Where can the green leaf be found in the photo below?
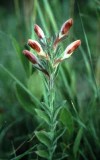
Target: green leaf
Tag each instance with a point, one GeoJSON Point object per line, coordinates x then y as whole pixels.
{"type": "Point", "coordinates": [43, 115]}
{"type": "Point", "coordinates": [67, 120]}
{"type": "Point", "coordinates": [77, 141]}
{"type": "Point", "coordinates": [43, 138]}
{"type": "Point", "coordinates": [58, 108]}
{"type": "Point", "coordinates": [42, 153]}
{"type": "Point", "coordinates": [35, 84]}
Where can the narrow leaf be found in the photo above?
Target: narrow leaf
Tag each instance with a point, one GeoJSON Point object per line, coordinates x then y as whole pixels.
{"type": "Point", "coordinates": [43, 138]}
{"type": "Point", "coordinates": [58, 109]}
{"type": "Point", "coordinates": [67, 120]}
{"type": "Point", "coordinates": [77, 141]}
{"type": "Point", "coordinates": [42, 153]}
{"type": "Point", "coordinates": [43, 115]}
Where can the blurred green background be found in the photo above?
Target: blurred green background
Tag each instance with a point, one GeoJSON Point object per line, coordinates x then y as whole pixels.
{"type": "Point", "coordinates": [78, 81]}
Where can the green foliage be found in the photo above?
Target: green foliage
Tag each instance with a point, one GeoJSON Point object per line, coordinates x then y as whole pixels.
{"type": "Point", "coordinates": [24, 99]}
{"type": "Point", "coordinates": [43, 137]}
{"type": "Point", "coordinates": [77, 141]}
{"type": "Point", "coordinates": [43, 115]}
{"type": "Point", "coordinates": [24, 114]}
{"type": "Point", "coordinates": [67, 120]}
{"type": "Point", "coordinates": [42, 153]}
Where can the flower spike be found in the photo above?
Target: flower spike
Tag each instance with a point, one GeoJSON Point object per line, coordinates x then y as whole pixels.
{"type": "Point", "coordinates": [71, 48]}
{"type": "Point", "coordinates": [30, 56]}
{"type": "Point", "coordinates": [37, 47]}
{"type": "Point", "coordinates": [39, 31]}
{"type": "Point", "coordinates": [49, 57]}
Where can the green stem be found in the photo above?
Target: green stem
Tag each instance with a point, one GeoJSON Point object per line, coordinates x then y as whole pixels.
{"type": "Point", "coordinates": [51, 105]}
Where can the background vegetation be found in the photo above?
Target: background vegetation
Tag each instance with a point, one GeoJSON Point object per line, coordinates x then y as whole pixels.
{"type": "Point", "coordinates": [78, 82]}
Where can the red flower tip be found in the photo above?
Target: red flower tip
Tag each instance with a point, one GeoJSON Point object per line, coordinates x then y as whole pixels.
{"type": "Point", "coordinates": [39, 31]}
{"type": "Point", "coordinates": [73, 46]}
{"type": "Point", "coordinates": [66, 26]}
{"type": "Point", "coordinates": [35, 45]}
{"type": "Point", "coordinates": [63, 31]}
{"type": "Point", "coordinates": [30, 56]}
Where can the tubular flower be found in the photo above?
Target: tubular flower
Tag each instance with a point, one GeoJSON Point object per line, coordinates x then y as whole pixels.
{"type": "Point", "coordinates": [65, 28]}
{"type": "Point", "coordinates": [37, 47]}
{"type": "Point", "coordinates": [71, 48]}
{"type": "Point", "coordinates": [63, 31]}
{"type": "Point", "coordinates": [39, 31]}
{"type": "Point", "coordinates": [68, 51]}
{"type": "Point", "coordinates": [30, 56]}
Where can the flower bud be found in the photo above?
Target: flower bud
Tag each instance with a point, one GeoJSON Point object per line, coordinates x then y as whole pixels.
{"type": "Point", "coordinates": [34, 45]}
{"type": "Point", "coordinates": [71, 48]}
{"type": "Point", "coordinates": [37, 47]}
{"type": "Point", "coordinates": [30, 56]}
{"type": "Point", "coordinates": [63, 31]}
{"type": "Point", "coordinates": [39, 31]}
{"type": "Point", "coordinates": [65, 27]}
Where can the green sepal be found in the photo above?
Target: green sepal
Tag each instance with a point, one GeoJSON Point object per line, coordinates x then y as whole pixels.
{"type": "Point", "coordinates": [46, 108]}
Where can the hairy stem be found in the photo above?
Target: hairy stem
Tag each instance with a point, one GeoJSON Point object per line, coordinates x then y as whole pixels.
{"type": "Point", "coordinates": [52, 124]}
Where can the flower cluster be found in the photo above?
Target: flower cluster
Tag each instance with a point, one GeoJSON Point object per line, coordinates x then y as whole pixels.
{"type": "Point", "coordinates": [48, 57]}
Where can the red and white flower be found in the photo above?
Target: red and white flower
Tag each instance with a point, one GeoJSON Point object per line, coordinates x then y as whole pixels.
{"type": "Point", "coordinates": [37, 47]}
{"type": "Point", "coordinates": [63, 31]}
{"type": "Point", "coordinates": [68, 51]}
{"type": "Point", "coordinates": [30, 56]}
{"type": "Point", "coordinates": [71, 48]}
{"type": "Point", "coordinates": [39, 31]}
{"type": "Point", "coordinates": [65, 28]}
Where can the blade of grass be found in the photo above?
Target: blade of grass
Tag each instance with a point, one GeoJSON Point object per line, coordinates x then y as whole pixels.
{"type": "Point", "coordinates": [13, 148]}
{"type": "Point", "coordinates": [24, 154]}
{"type": "Point", "coordinates": [39, 10]}
{"type": "Point", "coordinates": [50, 15]}
{"type": "Point", "coordinates": [61, 72]}
{"type": "Point", "coordinates": [90, 148]}
{"type": "Point", "coordinates": [38, 103]}
{"type": "Point", "coordinates": [4, 131]}
{"type": "Point", "coordinates": [89, 55]}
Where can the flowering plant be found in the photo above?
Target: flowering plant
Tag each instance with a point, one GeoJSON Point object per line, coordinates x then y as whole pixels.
{"type": "Point", "coordinates": [47, 61]}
